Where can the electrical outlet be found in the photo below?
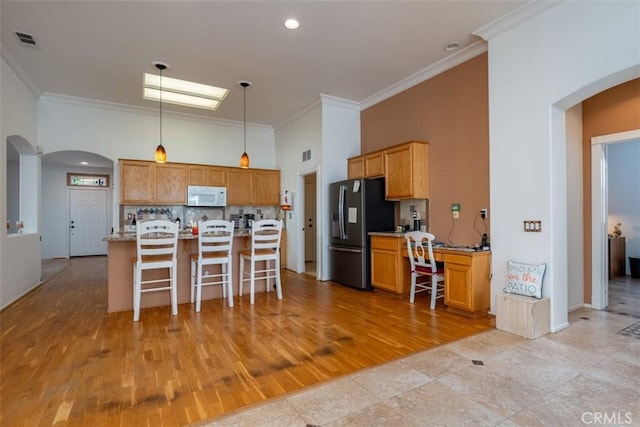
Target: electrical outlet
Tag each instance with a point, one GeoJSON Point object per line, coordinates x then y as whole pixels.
{"type": "Point", "coordinates": [456, 214]}
{"type": "Point", "coordinates": [483, 213]}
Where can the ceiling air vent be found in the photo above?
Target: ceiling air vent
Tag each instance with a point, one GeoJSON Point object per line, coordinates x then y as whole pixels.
{"type": "Point", "coordinates": [25, 38]}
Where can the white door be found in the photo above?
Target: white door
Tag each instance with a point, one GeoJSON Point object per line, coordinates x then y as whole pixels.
{"type": "Point", "coordinates": [87, 222]}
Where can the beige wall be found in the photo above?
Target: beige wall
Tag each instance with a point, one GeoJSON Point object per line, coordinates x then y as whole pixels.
{"type": "Point", "coordinates": [450, 111]}
{"type": "Point", "coordinates": [612, 111]}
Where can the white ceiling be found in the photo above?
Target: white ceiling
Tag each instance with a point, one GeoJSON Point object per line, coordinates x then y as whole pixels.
{"type": "Point", "coordinates": [354, 50]}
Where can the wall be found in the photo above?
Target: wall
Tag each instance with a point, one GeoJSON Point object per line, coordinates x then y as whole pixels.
{"type": "Point", "coordinates": [117, 131]}
{"type": "Point", "coordinates": [19, 254]}
{"type": "Point", "coordinates": [330, 128]}
{"type": "Point", "coordinates": [575, 213]}
{"type": "Point", "coordinates": [55, 208]}
{"type": "Point", "coordinates": [624, 194]}
{"type": "Point", "coordinates": [562, 55]}
{"type": "Point", "coordinates": [450, 111]}
{"type": "Point", "coordinates": [298, 135]}
{"type": "Point", "coordinates": [612, 111]}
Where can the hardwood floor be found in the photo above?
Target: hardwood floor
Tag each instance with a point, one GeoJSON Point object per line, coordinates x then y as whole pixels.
{"type": "Point", "coordinates": [64, 359]}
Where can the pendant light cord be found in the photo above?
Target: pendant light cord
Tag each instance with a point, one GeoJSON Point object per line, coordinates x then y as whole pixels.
{"type": "Point", "coordinates": [245, 118]}
{"type": "Point", "coordinates": [160, 106]}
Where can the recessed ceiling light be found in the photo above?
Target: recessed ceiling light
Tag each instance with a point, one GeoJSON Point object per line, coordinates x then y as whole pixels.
{"type": "Point", "coordinates": [451, 46]}
{"type": "Point", "coordinates": [292, 24]}
{"type": "Point", "coordinates": [84, 163]}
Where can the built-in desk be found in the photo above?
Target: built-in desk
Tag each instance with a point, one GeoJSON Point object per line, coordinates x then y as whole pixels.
{"type": "Point", "coordinates": [467, 272]}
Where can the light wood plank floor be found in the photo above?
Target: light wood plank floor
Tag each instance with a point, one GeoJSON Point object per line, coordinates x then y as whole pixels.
{"type": "Point", "coordinates": [64, 359]}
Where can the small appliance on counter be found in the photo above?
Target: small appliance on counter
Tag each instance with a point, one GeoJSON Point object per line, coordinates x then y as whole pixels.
{"type": "Point", "coordinates": [235, 219]}
{"type": "Point", "coordinates": [248, 220]}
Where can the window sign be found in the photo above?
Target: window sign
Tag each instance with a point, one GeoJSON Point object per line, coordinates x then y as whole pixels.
{"type": "Point", "coordinates": [79, 180]}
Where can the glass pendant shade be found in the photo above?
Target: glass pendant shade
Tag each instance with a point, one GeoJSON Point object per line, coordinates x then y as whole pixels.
{"type": "Point", "coordinates": [244, 161]}
{"type": "Point", "coordinates": [161, 154]}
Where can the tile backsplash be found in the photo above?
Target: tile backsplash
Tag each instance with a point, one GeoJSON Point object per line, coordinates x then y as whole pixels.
{"type": "Point", "coordinates": [188, 214]}
{"type": "Point", "coordinates": [405, 208]}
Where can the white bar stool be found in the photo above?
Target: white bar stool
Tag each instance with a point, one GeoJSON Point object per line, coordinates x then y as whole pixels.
{"type": "Point", "coordinates": [265, 246]}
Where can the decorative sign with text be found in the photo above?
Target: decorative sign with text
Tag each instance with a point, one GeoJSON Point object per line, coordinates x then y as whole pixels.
{"type": "Point", "coordinates": [525, 279]}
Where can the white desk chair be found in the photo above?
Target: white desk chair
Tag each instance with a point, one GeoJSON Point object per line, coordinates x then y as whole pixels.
{"type": "Point", "coordinates": [215, 243]}
{"type": "Point", "coordinates": [265, 246]}
{"type": "Point", "coordinates": [157, 244]}
{"type": "Point", "coordinates": [425, 275]}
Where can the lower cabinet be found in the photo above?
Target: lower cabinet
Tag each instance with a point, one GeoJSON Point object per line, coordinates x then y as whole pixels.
{"type": "Point", "coordinates": [467, 275]}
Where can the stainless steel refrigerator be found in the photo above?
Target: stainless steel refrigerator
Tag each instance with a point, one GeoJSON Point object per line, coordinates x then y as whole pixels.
{"type": "Point", "coordinates": [357, 208]}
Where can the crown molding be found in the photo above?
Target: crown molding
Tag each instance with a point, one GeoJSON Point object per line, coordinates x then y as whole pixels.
{"type": "Point", "coordinates": [299, 114]}
{"type": "Point", "coordinates": [439, 67]}
{"type": "Point", "coordinates": [18, 68]}
{"type": "Point", "coordinates": [125, 108]}
{"type": "Point", "coordinates": [339, 102]}
{"type": "Point", "coordinates": [514, 18]}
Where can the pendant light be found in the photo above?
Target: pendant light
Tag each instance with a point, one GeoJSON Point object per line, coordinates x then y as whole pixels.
{"type": "Point", "coordinates": [244, 159]}
{"type": "Point", "coordinates": [161, 154]}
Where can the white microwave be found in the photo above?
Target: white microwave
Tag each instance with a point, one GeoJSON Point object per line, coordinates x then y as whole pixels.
{"type": "Point", "coordinates": [198, 195]}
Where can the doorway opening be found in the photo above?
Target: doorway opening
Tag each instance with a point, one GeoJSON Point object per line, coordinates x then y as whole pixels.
{"type": "Point", "coordinates": [310, 234]}
{"type": "Point", "coordinates": [601, 224]}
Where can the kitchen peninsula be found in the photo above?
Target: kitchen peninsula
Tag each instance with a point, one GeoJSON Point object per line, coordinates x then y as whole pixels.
{"type": "Point", "coordinates": [149, 190]}
{"type": "Point", "coordinates": [122, 250]}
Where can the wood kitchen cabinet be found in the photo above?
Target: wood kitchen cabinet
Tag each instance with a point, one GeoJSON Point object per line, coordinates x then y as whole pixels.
{"type": "Point", "coordinates": [136, 181]}
{"type": "Point", "coordinates": [467, 275]}
{"type": "Point", "coordinates": [366, 166]}
{"type": "Point", "coordinates": [355, 167]}
{"type": "Point", "coordinates": [214, 176]}
{"type": "Point", "coordinates": [240, 187]}
{"type": "Point", "coordinates": [170, 184]}
{"type": "Point", "coordinates": [389, 268]}
{"type": "Point", "coordinates": [254, 187]}
{"type": "Point", "coordinates": [406, 171]}
{"type": "Point", "coordinates": [467, 282]}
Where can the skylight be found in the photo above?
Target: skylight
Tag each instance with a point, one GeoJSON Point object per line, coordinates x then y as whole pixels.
{"type": "Point", "coordinates": [183, 92]}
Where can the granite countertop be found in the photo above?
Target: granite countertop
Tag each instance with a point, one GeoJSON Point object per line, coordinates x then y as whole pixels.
{"type": "Point", "coordinates": [184, 235]}
{"type": "Point", "coordinates": [435, 246]}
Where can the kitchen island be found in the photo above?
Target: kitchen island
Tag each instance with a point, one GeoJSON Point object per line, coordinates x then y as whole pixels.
{"type": "Point", "coordinates": [122, 251]}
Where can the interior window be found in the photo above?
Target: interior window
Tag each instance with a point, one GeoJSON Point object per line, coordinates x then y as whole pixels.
{"type": "Point", "coordinates": [13, 188]}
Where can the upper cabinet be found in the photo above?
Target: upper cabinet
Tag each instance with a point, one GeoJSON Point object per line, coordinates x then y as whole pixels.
{"type": "Point", "coordinates": [240, 188]}
{"type": "Point", "coordinates": [355, 167]}
{"type": "Point", "coordinates": [267, 187]}
{"type": "Point", "coordinates": [255, 187]}
{"type": "Point", "coordinates": [407, 174]}
{"type": "Point", "coordinates": [136, 180]}
{"type": "Point", "coordinates": [404, 167]}
{"type": "Point", "coordinates": [215, 176]}
{"type": "Point", "coordinates": [171, 184]}
{"type": "Point", "coordinates": [145, 182]}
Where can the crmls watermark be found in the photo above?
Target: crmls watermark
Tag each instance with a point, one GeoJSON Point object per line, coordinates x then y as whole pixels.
{"type": "Point", "coordinates": [607, 418]}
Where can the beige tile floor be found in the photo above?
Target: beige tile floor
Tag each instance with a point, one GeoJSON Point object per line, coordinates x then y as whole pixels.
{"type": "Point", "coordinates": [587, 374]}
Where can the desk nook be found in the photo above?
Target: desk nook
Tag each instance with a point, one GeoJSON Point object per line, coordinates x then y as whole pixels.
{"type": "Point", "coordinates": [467, 273]}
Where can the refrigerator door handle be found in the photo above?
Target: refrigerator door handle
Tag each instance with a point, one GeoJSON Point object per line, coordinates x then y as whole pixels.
{"type": "Point", "coordinates": [338, 249]}
{"type": "Point", "coordinates": [343, 233]}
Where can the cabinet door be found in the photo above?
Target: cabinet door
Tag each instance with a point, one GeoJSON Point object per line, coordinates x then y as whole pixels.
{"type": "Point", "coordinates": [457, 279]}
{"type": "Point", "coordinates": [399, 174]}
{"type": "Point", "coordinates": [217, 176]}
{"type": "Point", "coordinates": [266, 187]}
{"type": "Point", "coordinates": [355, 167]}
{"type": "Point", "coordinates": [197, 175]}
{"type": "Point", "coordinates": [136, 181]}
{"type": "Point", "coordinates": [406, 171]}
{"type": "Point", "coordinates": [384, 268]}
{"type": "Point", "coordinates": [171, 184]}
{"type": "Point", "coordinates": [374, 165]}
{"type": "Point", "coordinates": [240, 187]}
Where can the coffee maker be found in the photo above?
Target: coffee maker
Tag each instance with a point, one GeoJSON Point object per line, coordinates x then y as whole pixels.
{"type": "Point", "coordinates": [248, 220]}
